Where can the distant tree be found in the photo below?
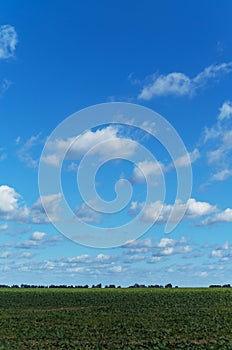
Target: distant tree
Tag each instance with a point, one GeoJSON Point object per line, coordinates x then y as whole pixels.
{"type": "Point", "coordinates": [169, 285]}
{"type": "Point", "coordinates": [215, 286]}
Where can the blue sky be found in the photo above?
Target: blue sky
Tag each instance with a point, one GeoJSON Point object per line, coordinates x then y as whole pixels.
{"type": "Point", "coordinates": [57, 58]}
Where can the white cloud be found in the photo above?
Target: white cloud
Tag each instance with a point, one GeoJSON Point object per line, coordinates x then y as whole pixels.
{"type": "Point", "coordinates": [145, 243]}
{"type": "Point", "coordinates": [160, 213]}
{"type": "Point", "coordinates": [165, 242]}
{"type": "Point", "coordinates": [11, 207]}
{"type": "Point", "coordinates": [8, 41]}
{"type": "Point", "coordinates": [148, 170]}
{"type": "Point", "coordinates": [187, 159]}
{"type": "Point", "coordinates": [51, 203]}
{"type": "Point", "coordinates": [171, 84]}
{"type": "Point", "coordinates": [176, 247]}
{"type": "Point", "coordinates": [153, 171]}
{"type": "Point", "coordinates": [28, 244]}
{"type": "Point", "coordinates": [102, 257]}
{"type": "Point", "coordinates": [225, 111]}
{"type": "Point", "coordinates": [221, 175]}
{"type": "Point", "coordinates": [163, 248]}
{"type": "Point", "coordinates": [4, 227]}
{"type": "Point", "coordinates": [224, 216]}
{"type": "Point", "coordinates": [25, 152]}
{"type": "Point", "coordinates": [179, 84]}
{"type": "Point", "coordinates": [155, 259]}
{"type": "Point", "coordinates": [5, 85]}
{"type": "Point", "coordinates": [217, 253]}
{"type": "Point", "coordinates": [74, 148]}
{"type": "Point", "coordinates": [86, 214]}
{"type": "Point", "coordinates": [8, 199]}
{"type": "Point", "coordinates": [3, 156]}
{"type": "Point", "coordinates": [218, 140]}
{"type": "Point", "coordinates": [196, 208]}
{"type": "Point", "coordinates": [116, 269]}
{"type": "Point", "coordinates": [5, 255]}
{"type": "Point", "coordinates": [202, 274]}
{"type": "Point", "coordinates": [38, 236]}
{"type": "Point", "coordinates": [223, 253]}
{"type": "Point", "coordinates": [26, 255]}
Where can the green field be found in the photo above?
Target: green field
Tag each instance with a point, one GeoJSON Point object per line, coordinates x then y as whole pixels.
{"type": "Point", "coordinates": [116, 319]}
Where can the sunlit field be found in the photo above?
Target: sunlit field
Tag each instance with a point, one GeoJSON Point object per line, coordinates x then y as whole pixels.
{"type": "Point", "coordinates": [116, 318]}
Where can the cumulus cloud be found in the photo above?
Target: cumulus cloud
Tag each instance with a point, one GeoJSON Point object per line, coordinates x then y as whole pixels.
{"type": "Point", "coordinates": [160, 213]}
{"type": "Point", "coordinates": [37, 240]}
{"type": "Point", "coordinates": [165, 242]}
{"type": "Point", "coordinates": [86, 214]}
{"type": "Point", "coordinates": [8, 41]}
{"type": "Point", "coordinates": [5, 255]}
{"type": "Point", "coordinates": [179, 84]}
{"type": "Point", "coordinates": [171, 84]}
{"type": "Point", "coordinates": [161, 249]}
{"type": "Point", "coordinates": [223, 252]}
{"type": "Point", "coordinates": [73, 148]}
{"type": "Point", "coordinates": [37, 235]}
{"type": "Point", "coordinates": [11, 206]}
{"type": "Point", "coordinates": [153, 171]}
{"type": "Point", "coordinates": [8, 199]}
{"type": "Point", "coordinates": [51, 203]}
{"type": "Point", "coordinates": [28, 244]}
{"type": "Point", "coordinates": [148, 171]}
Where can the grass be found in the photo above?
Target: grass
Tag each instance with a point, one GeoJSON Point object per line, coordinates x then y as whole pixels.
{"type": "Point", "coordinates": [116, 319]}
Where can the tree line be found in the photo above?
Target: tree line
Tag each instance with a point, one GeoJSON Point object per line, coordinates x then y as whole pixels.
{"type": "Point", "coordinates": [99, 285]}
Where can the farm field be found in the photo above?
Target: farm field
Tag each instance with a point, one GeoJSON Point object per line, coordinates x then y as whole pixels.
{"type": "Point", "coordinates": [115, 319]}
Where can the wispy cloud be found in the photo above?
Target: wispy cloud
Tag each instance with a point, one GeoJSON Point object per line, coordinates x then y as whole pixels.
{"type": "Point", "coordinates": [26, 150]}
{"type": "Point", "coordinates": [5, 85]}
{"type": "Point", "coordinates": [3, 227]}
{"type": "Point", "coordinates": [3, 154]}
{"type": "Point", "coordinates": [180, 84]}
{"type": "Point", "coordinates": [222, 217]}
{"type": "Point", "coordinates": [152, 171]}
{"type": "Point", "coordinates": [8, 41]}
{"type": "Point", "coordinates": [217, 140]}
{"type": "Point", "coordinates": [225, 111]}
